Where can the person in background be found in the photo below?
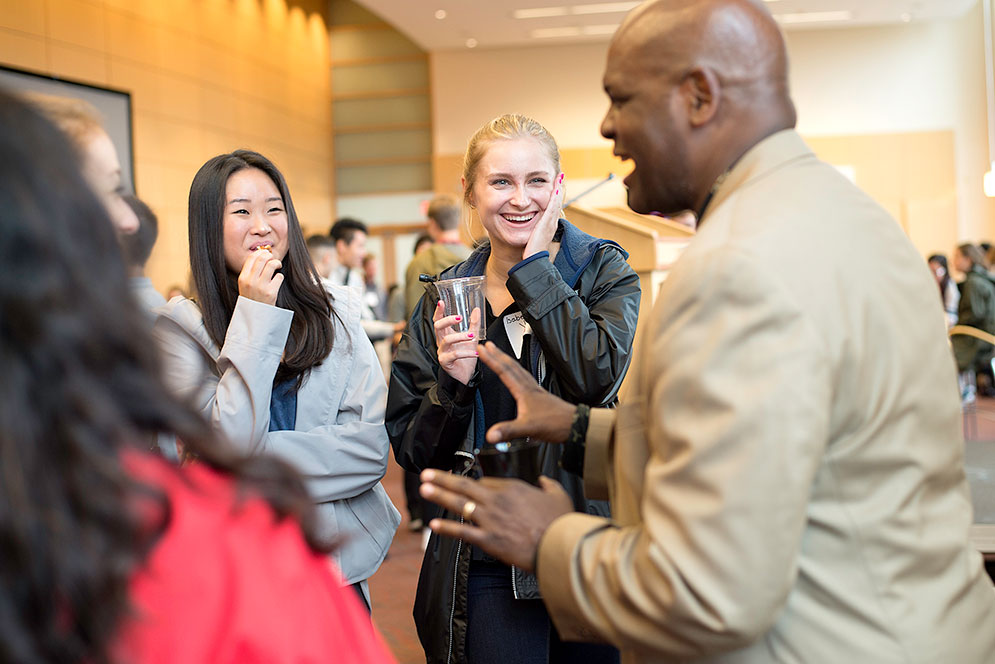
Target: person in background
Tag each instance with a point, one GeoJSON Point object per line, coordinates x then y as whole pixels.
{"type": "Point", "coordinates": [395, 303]}
{"type": "Point", "coordinates": [786, 468]}
{"type": "Point", "coordinates": [80, 121]}
{"type": "Point", "coordinates": [276, 364]}
{"type": "Point", "coordinates": [374, 296]}
{"type": "Point", "coordinates": [949, 293]}
{"type": "Point", "coordinates": [322, 251]}
{"type": "Point", "coordinates": [110, 554]}
{"type": "Point", "coordinates": [422, 242]}
{"type": "Point", "coordinates": [565, 305]}
{"type": "Point", "coordinates": [445, 251]}
{"type": "Point", "coordinates": [975, 309]}
{"type": "Point", "coordinates": [349, 236]}
{"type": "Point", "coordinates": [137, 248]}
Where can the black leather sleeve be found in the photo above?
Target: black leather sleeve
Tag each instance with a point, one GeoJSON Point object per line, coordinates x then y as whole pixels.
{"type": "Point", "coordinates": [428, 411]}
{"type": "Point", "coordinates": [587, 340]}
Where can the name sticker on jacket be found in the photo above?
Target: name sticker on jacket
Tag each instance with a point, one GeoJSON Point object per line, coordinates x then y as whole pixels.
{"type": "Point", "coordinates": [516, 327]}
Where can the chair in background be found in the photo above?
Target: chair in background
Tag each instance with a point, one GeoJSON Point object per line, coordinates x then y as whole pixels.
{"type": "Point", "coordinates": [971, 408]}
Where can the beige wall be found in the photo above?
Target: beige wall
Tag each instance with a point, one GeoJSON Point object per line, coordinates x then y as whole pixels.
{"type": "Point", "coordinates": [902, 79]}
{"type": "Point", "coordinates": [206, 77]}
{"type": "Point", "coordinates": [910, 174]}
{"type": "Point", "coordinates": [558, 85]}
{"type": "Point", "coordinates": [902, 105]}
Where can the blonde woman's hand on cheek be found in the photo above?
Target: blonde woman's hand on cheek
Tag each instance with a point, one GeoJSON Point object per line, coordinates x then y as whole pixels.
{"type": "Point", "coordinates": [457, 350]}
{"type": "Point", "coordinates": [259, 279]}
{"type": "Point", "coordinates": [545, 228]}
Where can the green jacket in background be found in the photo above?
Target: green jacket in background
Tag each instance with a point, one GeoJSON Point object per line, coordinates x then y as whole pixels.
{"type": "Point", "coordinates": [431, 261]}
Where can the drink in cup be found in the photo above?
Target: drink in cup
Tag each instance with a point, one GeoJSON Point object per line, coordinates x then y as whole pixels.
{"type": "Point", "coordinates": [461, 297]}
{"type": "Point", "coordinates": [515, 458]}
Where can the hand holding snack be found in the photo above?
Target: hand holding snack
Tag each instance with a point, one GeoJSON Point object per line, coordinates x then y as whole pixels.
{"type": "Point", "coordinates": [259, 279]}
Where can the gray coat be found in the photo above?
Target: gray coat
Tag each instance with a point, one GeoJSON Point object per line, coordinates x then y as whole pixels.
{"type": "Point", "coordinates": [339, 443]}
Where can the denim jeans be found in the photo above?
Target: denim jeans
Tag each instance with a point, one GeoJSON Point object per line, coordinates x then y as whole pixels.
{"type": "Point", "coordinates": [505, 630]}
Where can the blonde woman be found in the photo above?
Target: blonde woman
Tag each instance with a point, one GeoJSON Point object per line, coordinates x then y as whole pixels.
{"type": "Point", "coordinates": [565, 304]}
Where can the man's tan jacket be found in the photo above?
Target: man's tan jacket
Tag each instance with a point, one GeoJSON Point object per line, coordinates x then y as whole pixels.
{"type": "Point", "coordinates": [786, 466]}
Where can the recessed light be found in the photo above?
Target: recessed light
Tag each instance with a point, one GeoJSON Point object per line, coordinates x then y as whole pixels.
{"type": "Point", "coordinates": [471, 43]}
{"type": "Point", "coordinates": [539, 12]}
{"type": "Point", "coordinates": [440, 14]}
{"type": "Point", "coordinates": [813, 17]}
{"type": "Point", "coordinates": [906, 17]}
{"type": "Point", "coordinates": [604, 8]}
{"type": "Point", "coordinates": [550, 33]}
{"type": "Point", "coordinates": [600, 29]}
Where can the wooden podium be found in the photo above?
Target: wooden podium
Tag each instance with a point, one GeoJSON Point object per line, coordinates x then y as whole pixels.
{"type": "Point", "coordinates": [653, 243]}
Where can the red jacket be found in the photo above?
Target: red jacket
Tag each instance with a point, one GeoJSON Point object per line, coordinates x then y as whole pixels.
{"type": "Point", "coordinates": [228, 583]}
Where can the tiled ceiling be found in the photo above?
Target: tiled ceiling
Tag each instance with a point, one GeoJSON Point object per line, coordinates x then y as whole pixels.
{"type": "Point", "coordinates": [454, 24]}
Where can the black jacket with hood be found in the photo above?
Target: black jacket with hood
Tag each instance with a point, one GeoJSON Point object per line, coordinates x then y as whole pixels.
{"type": "Point", "coordinates": [582, 308]}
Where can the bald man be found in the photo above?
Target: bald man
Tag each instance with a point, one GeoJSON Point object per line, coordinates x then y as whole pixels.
{"type": "Point", "coordinates": [786, 468]}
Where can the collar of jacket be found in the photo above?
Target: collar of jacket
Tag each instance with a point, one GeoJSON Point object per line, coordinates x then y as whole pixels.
{"type": "Point", "coordinates": [577, 250]}
{"type": "Point", "coordinates": [769, 154]}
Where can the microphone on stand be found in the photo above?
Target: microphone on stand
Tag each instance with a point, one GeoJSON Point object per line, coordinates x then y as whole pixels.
{"type": "Point", "coordinates": [611, 176]}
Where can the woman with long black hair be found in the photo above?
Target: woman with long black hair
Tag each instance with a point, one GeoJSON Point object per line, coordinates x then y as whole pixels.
{"type": "Point", "coordinates": [109, 552]}
{"type": "Point", "coordinates": [276, 369]}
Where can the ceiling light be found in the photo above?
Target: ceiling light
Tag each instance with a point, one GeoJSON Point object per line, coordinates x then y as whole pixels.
{"type": "Point", "coordinates": [604, 8]}
{"type": "Point", "coordinates": [600, 29]}
{"type": "Point", "coordinates": [440, 14]}
{"type": "Point", "coordinates": [906, 17]}
{"type": "Point", "coordinates": [549, 33]}
{"type": "Point", "coordinates": [471, 43]}
{"type": "Point", "coordinates": [539, 12]}
{"type": "Point", "coordinates": [813, 17]}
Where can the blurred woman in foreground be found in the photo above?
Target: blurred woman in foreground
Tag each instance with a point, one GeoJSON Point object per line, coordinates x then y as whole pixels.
{"type": "Point", "coordinates": [110, 553]}
{"type": "Point", "coordinates": [98, 157]}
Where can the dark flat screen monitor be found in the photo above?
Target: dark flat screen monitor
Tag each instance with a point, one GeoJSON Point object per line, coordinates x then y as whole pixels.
{"type": "Point", "coordinates": [114, 107]}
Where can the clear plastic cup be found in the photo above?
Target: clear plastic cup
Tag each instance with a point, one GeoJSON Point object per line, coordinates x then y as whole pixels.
{"type": "Point", "coordinates": [461, 297]}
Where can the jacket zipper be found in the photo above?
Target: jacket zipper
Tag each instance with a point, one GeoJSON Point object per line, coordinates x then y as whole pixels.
{"type": "Point", "coordinates": [459, 550]}
{"type": "Point", "coordinates": [538, 370]}
{"type": "Point", "coordinates": [452, 611]}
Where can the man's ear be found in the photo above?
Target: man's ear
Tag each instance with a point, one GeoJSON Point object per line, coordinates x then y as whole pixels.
{"type": "Point", "coordinates": [702, 92]}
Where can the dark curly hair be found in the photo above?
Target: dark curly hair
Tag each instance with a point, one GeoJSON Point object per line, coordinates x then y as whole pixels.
{"type": "Point", "coordinates": [80, 388]}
